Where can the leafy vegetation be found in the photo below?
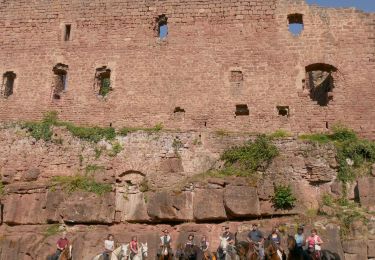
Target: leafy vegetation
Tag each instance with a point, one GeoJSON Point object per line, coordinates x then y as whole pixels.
{"type": "Point", "coordinates": [283, 197]}
{"type": "Point", "coordinates": [52, 230]}
{"type": "Point", "coordinates": [92, 168]}
{"type": "Point", "coordinates": [105, 87]}
{"type": "Point", "coordinates": [251, 156]}
{"type": "Point", "coordinates": [42, 130]}
{"type": "Point", "coordinates": [2, 189]}
{"type": "Point", "coordinates": [116, 149]}
{"type": "Point", "coordinates": [281, 133]}
{"type": "Point", "coordinates": [354, 155]}
{"type": "Point", "coordinates": [127, 130]}
{"type": "Point", "coordinates": [80, 183]}
{"type": "Point", "coordinates": [144, 185]}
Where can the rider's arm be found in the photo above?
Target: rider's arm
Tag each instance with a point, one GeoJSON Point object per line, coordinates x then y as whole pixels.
{"type": "Point", "coordinates": [319, 241]}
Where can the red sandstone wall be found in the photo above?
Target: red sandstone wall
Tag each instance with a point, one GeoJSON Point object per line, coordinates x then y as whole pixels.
{"type": "Point", "coordinates": [191, 68]}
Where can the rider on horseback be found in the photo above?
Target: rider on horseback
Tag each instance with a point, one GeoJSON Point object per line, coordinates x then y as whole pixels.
{"type": "Point", "coordinates": [256, 239]}
{"type": "Point", "coordinates": [275, 238]}
{"type": "Point", "coordinates": [109, 246]}
{"type": "Point", "coordinates": [204, 244]}
{"type": "Point", "coordinates": [133, 247]}
{"type": "Point", "coordinates": [190, 241]}
{"type": "Point", "coordinates": [229, 237]}
{"type": "Point", "coordinates": [165, 243]}
{"type": "Point", "coordinates": [61, 244]}
{"type": "Point", "coordinates": [314, 243]}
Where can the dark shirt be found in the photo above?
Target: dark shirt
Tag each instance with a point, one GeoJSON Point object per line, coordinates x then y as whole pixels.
{"type": "Point", "coordinates": [276, 239]}
{"type": "Point", "coordinates": [229, 236]}
{"type": "Point", "coordinates": [255, 236]}
{"type": "Point", "coordinates": [62, 242]}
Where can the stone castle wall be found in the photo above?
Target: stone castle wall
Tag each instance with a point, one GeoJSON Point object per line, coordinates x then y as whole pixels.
{"type": "Point", "coordinates": [218, 54]}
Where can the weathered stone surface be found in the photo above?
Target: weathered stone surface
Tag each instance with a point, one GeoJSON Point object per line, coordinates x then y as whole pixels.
{"type": "Point", "coordinates": [371, 248]}
{"type": "Point", "coordinates": [366, 192]}
{"type": "Point", "coordinates": [132, 207]}
{"type": "Point", "coordinates": [24, 209]}
{"type": "Point", "coordinates": [31, 175]}
{"type": "Point", "coordinates": [170, 206]}
{"type": "Point", "coordinates": [358, 247]}
{"type": "Point", "coordinates": [208, 205]}
{"type": "Point", "coordinates": [81, 207]}
{"type": "Point", "coordinates": [241, 201]}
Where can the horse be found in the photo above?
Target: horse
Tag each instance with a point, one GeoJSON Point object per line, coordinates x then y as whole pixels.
{"type": "Point", "coordinates": [120, 253]}
{"type": "Point", "coordinates": [324, 255]}
{"type": "Point", "coordinates": [142, 252]}
{"type": "Point", "coordinates": [252, 254]}
{"type": "Point", "coordinates": [272, 252]}
{"type": "Point", "coordinates": [164, 253]}
{"type": "Point", "coordinates": [193, 253]}
{"type": "Point", "coordinates": [226, 251]}
{"type": "Point", "coordinates": [295, 253]}
{"type": "Point", "coordinates": [66, 254]}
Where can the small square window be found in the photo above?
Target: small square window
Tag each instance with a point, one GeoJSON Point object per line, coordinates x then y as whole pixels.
{"type": "Point", "coordinates": [283, 111]}
{"type": "Point", "coordinates": [242, 110]}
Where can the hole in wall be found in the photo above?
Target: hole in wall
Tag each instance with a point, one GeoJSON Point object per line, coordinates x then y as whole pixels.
{"type": "Point", "coordinates": [242, 110]}
{"type": "Point", "coordinates": [161, 26]}
{"type": "Point", "coordinates": [8, 83]}
{"type": "Point", "coordinates": [178, 110]}
{"type": "Point", "coordinates": [320, 82]}
{"type": "Point", "coordinates": [67, 31]}
{"type": "Point", "coordinates": [283, 111]}
{"type": "Point", "coordinates": [295, 23]}
{"type": "Point", "coordinates": [103, 81]}
{"type": "Point", "coordinates": [60, 80]}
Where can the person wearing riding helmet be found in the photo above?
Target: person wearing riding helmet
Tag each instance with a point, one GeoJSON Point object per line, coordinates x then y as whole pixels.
{"type": "Point", "coordinates": [190, 241]}
{"type": "Point", "coordinates": [300, 238]}
{"type": "Point", "coordinates": [314, 242]}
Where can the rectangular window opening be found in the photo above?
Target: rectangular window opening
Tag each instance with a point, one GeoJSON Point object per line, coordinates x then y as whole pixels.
{"type": "Point", "coordinates": [60, 83]}
{"type": "Point", "coordinates": [8, 83]}
{"type": "Point", "coordinates": [295, 24]}
{"type": "Point", "coordinates": [67, 32]}
{"type": "Point", "coordinates": [103, 77]}
{"type": "Point", "coordinates": [283, 111]}
{"type": "Point", "coordinates": [242, 110]}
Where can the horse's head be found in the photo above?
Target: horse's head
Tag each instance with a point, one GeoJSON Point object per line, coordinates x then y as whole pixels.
{"type": "Point", "coordinates": [144, 249]}
{"type": "Point", "coordinates": [223, 243]}
{"type": "Point", "coordinates": [291, 243]}
{"type": "Point", "coordinates": [270, 249]}
{"type": "Point", "coordinates": [125, 249]}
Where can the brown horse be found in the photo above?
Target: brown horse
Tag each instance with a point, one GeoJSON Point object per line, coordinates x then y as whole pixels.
{"type": "Point", "coordinates": [252, 254]}
{"type": "Point", "coordinates": [165, 253]}
{"type": "Point", "coordinates": [66, 254]}
{"type": "Point", "coordinates": [270, 251]}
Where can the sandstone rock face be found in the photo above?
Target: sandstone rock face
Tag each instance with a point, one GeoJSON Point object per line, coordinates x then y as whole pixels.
{"type": "Point", "coordinates": [241, 201]}
{"type": "Point", "coordinates": [355, 248]}
{"type": "Point", "coordinates": [171, 207]}
{"type": "Point", "coordinates": [208, 205]}
{"type": "Point", "coordinates": [366, 192]}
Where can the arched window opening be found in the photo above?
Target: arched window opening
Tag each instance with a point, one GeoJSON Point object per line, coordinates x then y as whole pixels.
{"type": "Point", "coordinates": [161, 26]}
{"type": "Point", "coordinates": [295, 23]}
{"type": "Point", "coordinates": [320, 82]}
{"type": "Point", "coordinates": [60, 80]}
{"type": "Point", "coordinates": [8, 83]}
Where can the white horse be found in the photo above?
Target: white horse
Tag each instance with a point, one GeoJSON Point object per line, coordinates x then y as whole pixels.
{"type": "Point", "coordinates": [120, 253]}
{"type": "Point", "coordinates": [228, 250]}
{"type": "Point", "coordinates": [142, 252]}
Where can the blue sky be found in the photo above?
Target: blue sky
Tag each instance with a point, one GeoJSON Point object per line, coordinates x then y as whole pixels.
{"type": "Point", "coordinates": [366, 5]}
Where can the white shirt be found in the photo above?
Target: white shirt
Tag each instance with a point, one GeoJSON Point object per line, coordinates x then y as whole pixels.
{"type": "Point", "coordinates": [109, 245]}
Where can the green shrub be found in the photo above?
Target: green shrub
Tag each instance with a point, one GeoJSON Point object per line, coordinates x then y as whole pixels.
{"type": "Point", "coordinates": [127, 130]}
{"type": "Point", "coordinates": [116, 149]}
{"type": "Point", "coordinates": [281, 133]}
{"type": "Point", "coordinates": [93, 134]}
{"type": "Point", "coordinates": [328, 200]}
{"type": "Point", "coordinates": [92, 168]}
{"type": "Point", "coordinates": [283, 197]}
{"type": "Point", "coordinates": [144, 185]}
{"type": "Point", "coordinates": [342, 133]}
{"type": "Point", "coordinates": [105, 87]}
{"type": "Point", "coordinates": [319, 138]}
{"type": "Point", "coordinates": [80, 182]}
{"type": "Point", "coordinates": [39, 130]}
{"type": "Point", "coordinates": [52, 230]}
{"type": "Point", "coordinates": [98, 152]}
{"type": "Point", "coordinates": [2, 189]}
{"type": "Point", "coordinates": [252, 155]}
